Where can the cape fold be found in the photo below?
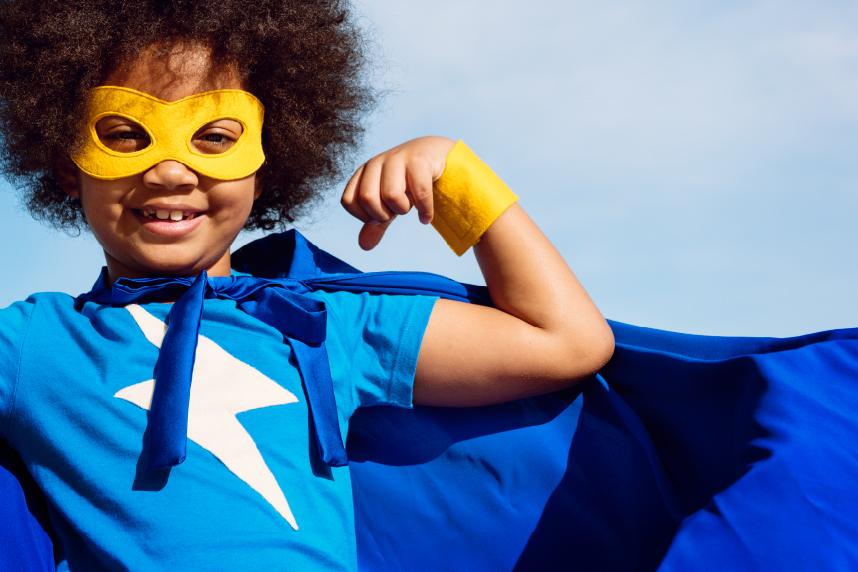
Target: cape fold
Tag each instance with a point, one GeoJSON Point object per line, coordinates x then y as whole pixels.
{"type": "Point", "coordinates": [684, 452]}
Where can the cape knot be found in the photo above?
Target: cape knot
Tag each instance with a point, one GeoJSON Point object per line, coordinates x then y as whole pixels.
{"type": "Point", "coordinates": [280, 302]}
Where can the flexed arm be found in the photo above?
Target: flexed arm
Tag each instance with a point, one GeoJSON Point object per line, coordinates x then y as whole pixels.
{"type": "Point", "coordinates": [544, 332]}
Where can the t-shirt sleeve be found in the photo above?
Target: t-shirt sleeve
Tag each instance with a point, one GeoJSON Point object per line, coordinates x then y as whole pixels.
{"type": "Point", "coordinates": [377, 340]}
{"type": "Point", "coordinates": [14, 321]}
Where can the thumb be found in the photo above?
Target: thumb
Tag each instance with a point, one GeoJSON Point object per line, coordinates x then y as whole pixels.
{"type": "Point", "coordinates": [372, 233]}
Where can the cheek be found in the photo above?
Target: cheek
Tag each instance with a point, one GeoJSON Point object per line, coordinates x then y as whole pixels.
{"type": "Point", "coordinates": [246, 207]}
{"type": "Point", "coordinates": [102, 203]}
{"type": "Point", "coordinates": [234, 199]}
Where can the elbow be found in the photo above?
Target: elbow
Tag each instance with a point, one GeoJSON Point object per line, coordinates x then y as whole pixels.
{"type": "Point", "coordinates": [585, 355]}
{"type": "Point", "coordinates": [604, 349]}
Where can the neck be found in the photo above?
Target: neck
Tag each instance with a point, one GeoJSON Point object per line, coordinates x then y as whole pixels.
{"type": "Point", "coordinates": [118, 269]}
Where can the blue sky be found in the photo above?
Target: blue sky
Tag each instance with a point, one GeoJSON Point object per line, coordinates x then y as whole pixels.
{"type": "Point", "coordinates": [695, 162]}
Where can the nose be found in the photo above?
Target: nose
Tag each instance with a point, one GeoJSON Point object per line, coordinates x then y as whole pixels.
{"type": "Point", "coordinates": [170, 176]}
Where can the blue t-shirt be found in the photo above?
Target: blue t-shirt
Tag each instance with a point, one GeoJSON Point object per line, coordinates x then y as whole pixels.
{"type": "Point", "coordinates": [74, 389]}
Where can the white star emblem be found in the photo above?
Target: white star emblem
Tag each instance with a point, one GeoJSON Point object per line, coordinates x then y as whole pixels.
{"type": "Point", "coordinates": [221, 387]}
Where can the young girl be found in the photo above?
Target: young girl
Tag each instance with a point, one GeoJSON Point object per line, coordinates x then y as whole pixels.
{"type": "Point", "coordinates": [166, 128]}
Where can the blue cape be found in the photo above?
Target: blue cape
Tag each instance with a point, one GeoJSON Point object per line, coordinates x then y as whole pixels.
{"type": "Point", "coordinates": [684, 452]}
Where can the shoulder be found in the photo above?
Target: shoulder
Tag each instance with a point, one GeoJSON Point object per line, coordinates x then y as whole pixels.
{"type": "Point", "coordinates": [21, 310]}
{"type": "Point", "coordinates": [377, 330]}
{"type": "Point", "coordinates": [52, 302]}
{"type": "Point", "coordinates": [373, 342]}
{"type": "Point", "coordinates": [16, 324]}
{"type": "Point", "coordinates": [43, 300]}
{"type": "Point", "coordinates": [378, 311]}
{"type": "Point", "coordinates": [15, 319]}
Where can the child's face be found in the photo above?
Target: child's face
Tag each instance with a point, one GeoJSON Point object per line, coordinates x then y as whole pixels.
{"type": "Point", "coordinates": [120, 212]}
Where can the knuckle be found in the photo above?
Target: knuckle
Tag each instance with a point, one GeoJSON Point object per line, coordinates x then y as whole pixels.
{"type": "Point", "coordinates": [367, 197]}
{"type": "Point", "coordinates": [395, 198]}
{"type": "Point", "coordinates": [376, 210]}
{"type": "Point", "coordinates": [399, 207]}
{"type": "Point", "coordinates": [391, 189]}
{"type": "Point", "coordinates": [423, 192]}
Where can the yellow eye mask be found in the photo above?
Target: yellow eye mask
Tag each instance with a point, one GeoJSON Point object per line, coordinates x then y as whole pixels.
{"type": "Point", "coordinates": [171, 126]}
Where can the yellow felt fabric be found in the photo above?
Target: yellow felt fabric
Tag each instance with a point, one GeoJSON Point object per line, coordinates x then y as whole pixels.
{"type": "Point", "coordinates": [171, 126]}
{"type": "Point", "coordinates": [468, 197]}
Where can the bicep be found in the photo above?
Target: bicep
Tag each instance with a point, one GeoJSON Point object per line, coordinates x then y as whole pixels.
{"type": "Point", "coordinates": [476, 355]}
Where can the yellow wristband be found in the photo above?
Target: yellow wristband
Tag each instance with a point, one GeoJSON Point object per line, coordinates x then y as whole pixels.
{"type": "Point", "coordinates": [468, 198]}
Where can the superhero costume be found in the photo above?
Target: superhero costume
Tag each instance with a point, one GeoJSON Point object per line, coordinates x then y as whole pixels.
{"type": "Point", "coordinates": [684, 452]}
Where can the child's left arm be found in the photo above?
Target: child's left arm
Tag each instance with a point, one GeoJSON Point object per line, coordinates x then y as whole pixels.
{"type": "Point", "coordinates": [544, 332]}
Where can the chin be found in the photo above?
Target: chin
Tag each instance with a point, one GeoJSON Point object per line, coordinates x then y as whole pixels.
{"type": "Point", "coordinates": [166, 264]}
{"type": "Point", "coordinates": [173, 269]}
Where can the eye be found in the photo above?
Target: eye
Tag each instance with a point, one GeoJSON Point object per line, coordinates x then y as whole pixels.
{"type": "Point", "coordinates": [121, 134]}
{"type": "Point", "coordinates": [217, 136]}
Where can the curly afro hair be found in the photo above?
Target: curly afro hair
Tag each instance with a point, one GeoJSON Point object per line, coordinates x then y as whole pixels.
{"type": "Point", "coordinates": [303, 58]}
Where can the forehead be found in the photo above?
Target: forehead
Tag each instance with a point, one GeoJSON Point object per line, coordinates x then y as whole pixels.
{"type": "Point", "coordinates": [174, 71]}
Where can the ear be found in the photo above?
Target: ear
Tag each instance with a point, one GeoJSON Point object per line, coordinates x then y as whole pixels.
{"type": "Point", "coordinates": [257, 186]}
{"type": "Point", "coordinates": [66, 174]}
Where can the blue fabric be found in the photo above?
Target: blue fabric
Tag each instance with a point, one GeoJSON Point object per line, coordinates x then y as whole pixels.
{"type": "Point", "coordinates": [301, 319]}
{"type": "Point", "coordinates": [79, 431]}
{"type": "Point", "coordinates": [24, 543]}
{"type": "Point", "coordinates": [685, 453]}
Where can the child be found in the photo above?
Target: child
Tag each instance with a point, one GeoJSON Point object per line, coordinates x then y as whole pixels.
{"type": "Point", "coordinates": [167, 128]}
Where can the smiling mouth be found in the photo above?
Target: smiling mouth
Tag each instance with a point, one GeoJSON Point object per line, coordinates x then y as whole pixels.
{"type": "Point", "coordinates": [166, 215]}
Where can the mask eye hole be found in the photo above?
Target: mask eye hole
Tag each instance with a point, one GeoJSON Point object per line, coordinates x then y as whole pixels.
{"type": "Point", "coordinates": [122, 134]}
{"type": "Point", "coordinates": [217, 136]}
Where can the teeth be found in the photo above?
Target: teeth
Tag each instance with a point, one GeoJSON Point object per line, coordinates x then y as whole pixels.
{"type": "Point", "coordinates": [163, 214]}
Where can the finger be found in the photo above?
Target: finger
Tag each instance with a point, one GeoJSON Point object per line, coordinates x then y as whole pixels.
{"type": "Point", "coordinates": [419, 180]}
{"type": "Point", "coordinates": [351, 185]}
{"type": "Point", "coordinates": [349, 199]}
{"type": "Point", "coordinates": [371, 234]}
{"type": "Point", "coordinates": [393, 186]}
{"type": "Point", "coordinates": [369, 193]}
